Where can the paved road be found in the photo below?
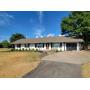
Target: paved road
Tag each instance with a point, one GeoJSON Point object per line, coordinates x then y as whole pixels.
{"type": "Point", "coordinates": [52, 69]}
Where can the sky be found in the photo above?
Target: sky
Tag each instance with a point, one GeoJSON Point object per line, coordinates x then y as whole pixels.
{"type": "Point", "coordinates": [33, 24]}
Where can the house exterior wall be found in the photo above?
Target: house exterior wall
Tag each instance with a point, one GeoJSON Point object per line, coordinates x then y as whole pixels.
{"type": "Point", "coordinates": [16, 47]}
{"type": "Point", "coordinates": [56, 46]}
{"type": "Point", "coordinates": [23, 47]}
{"type": "Point", "coordinates": [49, 46]}
{"type": "Point", "coordinates": [44, 46]}
{"type": "Point", "coordinates": [63, 47]}
{"type": "Point", "coordinates": [32, 46]}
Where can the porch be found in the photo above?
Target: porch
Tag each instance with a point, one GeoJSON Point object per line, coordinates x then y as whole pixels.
{"type": "Point", "coordinates": [49, 46]}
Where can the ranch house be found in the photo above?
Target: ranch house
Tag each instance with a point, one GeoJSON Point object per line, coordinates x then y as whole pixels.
{"type": "Point", "coordinates": [60, 43]}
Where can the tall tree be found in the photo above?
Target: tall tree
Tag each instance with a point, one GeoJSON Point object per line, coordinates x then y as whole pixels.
{"type": "Point", "coordinates": [77, 24]}
{"type": "Point", "coordinates": [5, 44]}
{"type": "Point", "coordinates": [16, 36]}
{"type": "Point", "coordinates": [1, 45]}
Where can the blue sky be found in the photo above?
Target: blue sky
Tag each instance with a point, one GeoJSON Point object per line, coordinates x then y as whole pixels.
{"type": "Point", "coordinates": [32, 24]}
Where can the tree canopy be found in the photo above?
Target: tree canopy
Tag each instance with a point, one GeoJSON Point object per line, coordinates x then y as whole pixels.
{"type": "Point", "coordinates": [16, 36]}
{"type": "Point", "coordinates": [1, 45]}
{"type": "Point", "coordinates": [77, 24]}
{"type": "Point", "coordinates": [5, 44]}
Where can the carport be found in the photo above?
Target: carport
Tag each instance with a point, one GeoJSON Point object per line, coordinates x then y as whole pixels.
{"type": "Point", "coordinates": [71, 46]}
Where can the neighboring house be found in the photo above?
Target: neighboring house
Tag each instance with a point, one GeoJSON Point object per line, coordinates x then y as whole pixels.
{"type": "Point", "coordinates": [60, 43]}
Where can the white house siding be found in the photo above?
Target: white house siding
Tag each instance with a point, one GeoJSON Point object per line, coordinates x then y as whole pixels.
{"type": "Point", "coordinates": [49, 46]}
{"type": "Point", "coordinates": [32, 46]}
{"type": "Point", "coordinates": [44, 46]}
{"type": "Point", "coordinates": [56, 46]}
{"type": "Point", "coordinates": [23, 47]}
{"type": "Point", "coordinates": [16, 47]}
{"type": "Point", "coordinates": [39, 46]}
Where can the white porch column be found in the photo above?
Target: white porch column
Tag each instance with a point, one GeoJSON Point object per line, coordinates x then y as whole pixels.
{"type": "Point", "coordinates": [62, 46]}
{"type": "Point", "coordinates": [44, 46]}
{"type": "Point", "coordinates": [16, 46]}
{"type": "Point", "coordinates": [65, 46]}
{"type": "Point", "coordinates": [78, 46]}
{"type": "Point", "coordinates": [49, 46]}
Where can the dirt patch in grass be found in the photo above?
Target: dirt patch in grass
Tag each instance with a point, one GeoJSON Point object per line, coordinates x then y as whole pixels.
{"type": "Point", "coordinates": [17, 64]}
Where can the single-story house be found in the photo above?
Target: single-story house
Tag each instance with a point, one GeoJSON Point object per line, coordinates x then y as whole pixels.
{"type": "Point", "coordinates": [60, 43]}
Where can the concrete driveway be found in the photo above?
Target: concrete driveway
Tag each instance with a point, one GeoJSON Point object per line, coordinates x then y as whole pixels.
{"type": "Point", "coordinates": [61, 65]}
{"type": "Point", "coordinates": [73, 57]}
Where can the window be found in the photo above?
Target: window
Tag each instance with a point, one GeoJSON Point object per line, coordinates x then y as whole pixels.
{"type": "Point", "coordinates": [39, 45]}
{"type": "Point", "coordinates": [56, 45]}
{"type": "Point", "coordinates": [27, 45]}
{"type": "Point", "coordinates": [60, 44]}
{"type": "Point", "coordinates": [18, 45]}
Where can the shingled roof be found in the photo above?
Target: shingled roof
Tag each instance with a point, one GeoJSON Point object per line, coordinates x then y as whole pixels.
{"type": "Point", "coordinates": [48, 40]}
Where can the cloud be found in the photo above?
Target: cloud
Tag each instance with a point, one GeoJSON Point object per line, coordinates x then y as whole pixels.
{"type": "Point", "coordinates": [40, 17]}
{"type": "Point", "coordinates": [50, 35]}
{"type": "Point", "coordinates": [5, 19]}
{"type": "Point", "coordinates": [61, 35]}
{"type": "Point", "coordinates": [38, 33]}
{"type": "Point", "coordinates": [39, 28]}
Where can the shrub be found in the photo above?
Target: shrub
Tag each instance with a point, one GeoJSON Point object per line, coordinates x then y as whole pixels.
{"type": "Point", "coordinates": [60, 50]}
{"type": "Point", "coordinates": [33, 50]}
{"type": "Point", "coordinates": [16, 49]}
{"type": "Point", "coordinates": [13, 49]}
{"type": "Point", "coordinates": [36, 50]}
{"type": "Point", "coordinates": [23, 49]}
{"type": "Point", "coordinates": [19, 50]}
{"type": "Point", "coordinates": [56, 50]}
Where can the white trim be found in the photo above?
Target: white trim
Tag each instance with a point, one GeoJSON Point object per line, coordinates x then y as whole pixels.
{"type": "Point", "coordinates": [32, 47]}
{"type": "Point", "coordinates": [62, 46]}
{"type": "Point", "coordinates": [65, 47]}
{"type": "Point", "coordinates": [78, 46]}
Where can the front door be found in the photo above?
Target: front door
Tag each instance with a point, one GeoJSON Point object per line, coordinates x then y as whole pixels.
{"type": "Point", "coordinates": [47, 45]}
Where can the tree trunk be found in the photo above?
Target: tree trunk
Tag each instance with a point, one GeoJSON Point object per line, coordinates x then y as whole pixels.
{"type": "Point", "coordinates": [86, 47]}
{"type": "Point", "coordinates": [85, 38]}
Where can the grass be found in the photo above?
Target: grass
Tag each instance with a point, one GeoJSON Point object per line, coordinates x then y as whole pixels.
{"type": "Point", "coordinates": [86, 70]}
{"type": "Point", "coordinates": [17, 64]}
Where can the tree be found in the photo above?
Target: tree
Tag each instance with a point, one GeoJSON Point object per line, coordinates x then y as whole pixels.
{"type": "Point", "coordinates": [1, 45]}
{"type": "Point", "coordinates": [16, 36]}
{"type": "Point", "coordinates": [5, 44]}
{"type": "Point", "coordinates": [77, 25]}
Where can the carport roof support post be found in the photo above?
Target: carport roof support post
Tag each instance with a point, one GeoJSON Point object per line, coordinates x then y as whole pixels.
{"type": "Point", "coordinates": [78, 46]}
{"type": "Point", "coordinates": [63, 46]}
